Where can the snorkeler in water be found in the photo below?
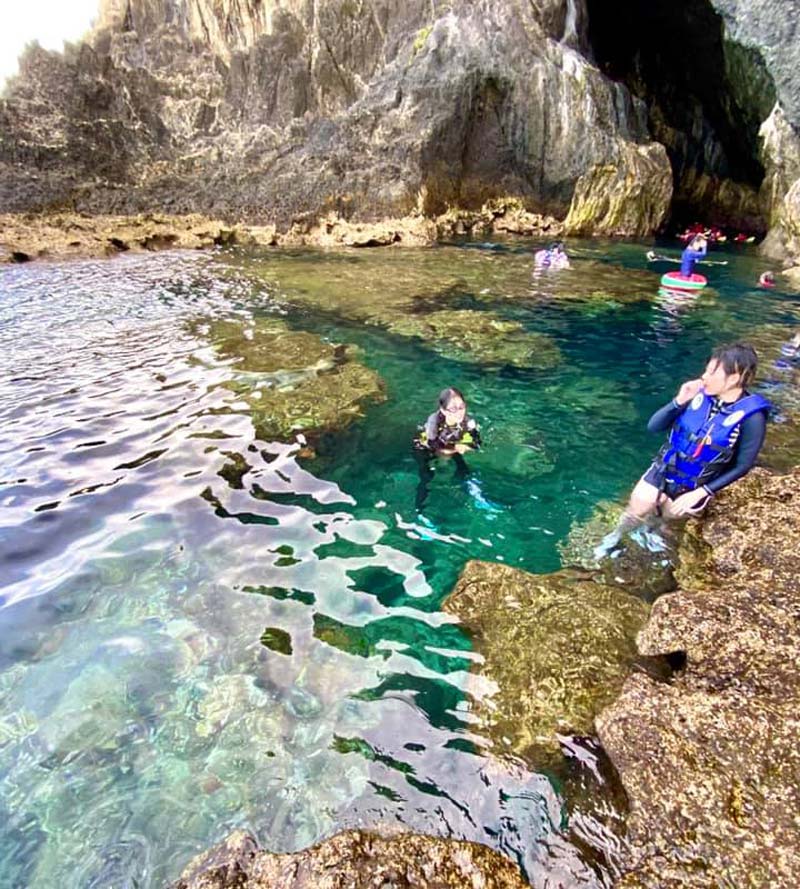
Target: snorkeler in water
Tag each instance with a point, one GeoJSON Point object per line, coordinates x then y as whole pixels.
{"type": "Point", "coordinates": [554, 257]}
{"type": "Point", "coordinates": [766, 279]}
{"type": "Point", "coordinates": [448, 432]}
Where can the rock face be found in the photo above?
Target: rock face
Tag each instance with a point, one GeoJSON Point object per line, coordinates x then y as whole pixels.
{"type": "Point", "coordinates": [709, 761]}
{"type": "Point", "coordinates": [352, 860]}
{"type": "Point", "coordinates": [557, 647]}
{"type": "Point", "coordinates": [627, 196]}
{"type": "Point", "coordinates": [264, 111]}
{"type": "Point", "coordinates": [711, 73]}
{"type": "Point", "coordinates": [483, 337]}
{"type": "Point", "coordinates": [768, 28]}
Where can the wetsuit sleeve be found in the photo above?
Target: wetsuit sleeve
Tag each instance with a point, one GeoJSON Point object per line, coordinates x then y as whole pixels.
{"type": "Point", "coordinates": [431, 429]}
{"type": "Point", "coordinates": [475, 433]}
{"type": "Point", "coordinates": [665, 416]}
{"type": "Point", "coordinates": [754, 428]}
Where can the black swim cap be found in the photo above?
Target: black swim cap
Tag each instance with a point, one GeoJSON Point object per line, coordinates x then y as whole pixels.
{"type": "Point", "coordinates": [448, 395]}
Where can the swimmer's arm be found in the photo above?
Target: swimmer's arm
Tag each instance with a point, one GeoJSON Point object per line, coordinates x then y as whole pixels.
{"type": "Point", "coordinates": [665, 416]}
{"type": "Point", "coordinates": [754, 428]}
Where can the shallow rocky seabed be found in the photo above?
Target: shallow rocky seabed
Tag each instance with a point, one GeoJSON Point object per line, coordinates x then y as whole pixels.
{"type": "Point", "coordinates": [271, 605]}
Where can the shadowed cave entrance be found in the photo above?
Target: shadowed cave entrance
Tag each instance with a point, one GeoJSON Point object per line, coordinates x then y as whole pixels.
{"type": "Point", "coordinates": [706, 98]}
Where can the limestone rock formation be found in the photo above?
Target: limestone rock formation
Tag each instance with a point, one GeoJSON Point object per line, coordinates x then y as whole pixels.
{"type": "Point", "coordinates": [768, 28]}
{"type": "Point", "coordinates": [557, 646]}
{"type": "Point", "coordinates": [263, 111]}
{"type": "Point", "coordinates": [709, 760]}
{"type": "Point", "coordinates": [353, 860]}
{"type": "Point", "coordinates": [482, 337]}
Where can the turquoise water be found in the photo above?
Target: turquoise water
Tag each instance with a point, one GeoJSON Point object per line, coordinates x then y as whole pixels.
{"type": "Point", "coordinates": [201, 629]}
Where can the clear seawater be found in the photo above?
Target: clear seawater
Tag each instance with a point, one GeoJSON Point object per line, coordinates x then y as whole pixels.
{"type": "Point", "coordinates": [186, 649]}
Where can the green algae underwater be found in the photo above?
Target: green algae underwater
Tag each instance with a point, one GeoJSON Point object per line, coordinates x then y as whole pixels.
{"type": "Point", "coordinates": [208, 623]}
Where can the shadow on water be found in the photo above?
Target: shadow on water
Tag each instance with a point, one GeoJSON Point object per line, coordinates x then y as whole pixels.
{"type": "Point", "coordinates": [203, 628]}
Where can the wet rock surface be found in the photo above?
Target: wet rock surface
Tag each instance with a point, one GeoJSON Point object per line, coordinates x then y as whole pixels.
{"type": "Point", "coordinates": [709, 760]}
{"type": "Point", "coordinates": [352, 860]}
{"type": "Point", "coordinates": [483, 337]}
{"type": "Point", "coordinates": [556, 650]}
{"type": "Point", "coordinates": [641, 563]}
{"type": "Point", "coordinates": [28, 236]}
{"type": "Point", "coordinates": [292, 381]}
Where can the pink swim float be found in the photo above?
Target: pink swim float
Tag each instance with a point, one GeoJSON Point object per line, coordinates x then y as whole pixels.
{"type": "Point", "coordinates": [677, 281]}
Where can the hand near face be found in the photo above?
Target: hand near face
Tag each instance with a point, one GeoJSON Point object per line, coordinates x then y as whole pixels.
{"type": "Point", "coordinates": [688, 391]}
{"type": "Point", "coordinates": [687, 503]}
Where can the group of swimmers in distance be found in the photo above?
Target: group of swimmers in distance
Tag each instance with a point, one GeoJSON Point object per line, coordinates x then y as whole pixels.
{"type": "Point", "coordinates": [715, 430]}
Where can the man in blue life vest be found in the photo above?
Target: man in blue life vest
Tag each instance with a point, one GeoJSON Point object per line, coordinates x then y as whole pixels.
{"type": "Point", "coordinates": [696, 250]}
{"type": "Point", "coordinates": [716, 430]}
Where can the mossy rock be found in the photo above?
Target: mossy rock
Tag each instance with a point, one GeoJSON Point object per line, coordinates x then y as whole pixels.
{"type": "Point", "coordinates": [641, 571]}
{"type": "Point", "coordinates": [356, 860]}
{"type": "Point", "coordinates": [483, 337]}
{"type": "Point", "coordinates": [268, 345]}
{"type": "Point", "coordinates": [557, 646]}
{"type": "Point", "coordinates": [292, 381]}
{"type": "Point", "coordinates": [326, 402]}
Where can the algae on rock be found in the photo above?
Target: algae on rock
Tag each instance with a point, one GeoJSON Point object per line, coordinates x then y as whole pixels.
{"type": "Point", "coordinates": [292, 381]}
{"type": "Point", "coordinates": [630, 195]}
{"type": "Point", "coordinates": [483, 337]}
{"type": "Point", "coordinates": [353, 859]}
{"type": "Point", "coordinates": [558, 646]}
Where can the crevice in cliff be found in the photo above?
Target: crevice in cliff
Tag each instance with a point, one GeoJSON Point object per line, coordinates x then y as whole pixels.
{"type": "Point", "coordinates": [471, 158]}
{"type": "Point", "coordinates": [706, 98]}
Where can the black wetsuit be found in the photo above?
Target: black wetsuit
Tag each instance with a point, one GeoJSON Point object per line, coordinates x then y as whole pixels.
{"type": "Point", "coordinates": [435, 437]}
{"type": "Point", "coordinates": [746, 446]}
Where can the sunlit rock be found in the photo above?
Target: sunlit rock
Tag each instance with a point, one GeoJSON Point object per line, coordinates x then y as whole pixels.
{"type": "Point", "coordinates": [292, 381]}
{"type": "Point", "coordinates": [780, 150]}
{"type": "Point", "coordinates": [557, 647]}
{"type": "Point", "coordinates": [289, 109]}
{"type": "Point", "coordinates": [73, 235]}
{"type": "Point", "coordinates": [352, 860]}
{"type": "Point", "coordinates": [709, 760]}
{"type": "Point", "coordinates": [628, 195]}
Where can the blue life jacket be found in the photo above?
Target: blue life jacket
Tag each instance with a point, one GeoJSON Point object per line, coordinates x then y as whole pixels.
{"type": "Point", "coordinates": [699, 447]}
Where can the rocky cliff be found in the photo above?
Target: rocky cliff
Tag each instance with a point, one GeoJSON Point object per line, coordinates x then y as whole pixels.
{"type": "Point", "coordinates": [267, 110]}
{"type": "Point", "coordinates": [273, 110]}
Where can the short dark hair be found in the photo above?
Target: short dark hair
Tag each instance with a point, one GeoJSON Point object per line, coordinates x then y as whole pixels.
{"type": "Point", "coordinates": [447, 395]}
{"type": "Point", "coordinates": [557, 245]}
{"type": "Point", "coordinates": [737, 358]}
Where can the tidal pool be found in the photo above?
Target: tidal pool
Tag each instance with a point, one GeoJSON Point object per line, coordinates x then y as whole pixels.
{"type": "Point", "coordinates": [206, 623]}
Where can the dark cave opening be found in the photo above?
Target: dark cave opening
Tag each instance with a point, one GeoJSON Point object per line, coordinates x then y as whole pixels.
{"type": "Point", "coordinates": [706, 97]}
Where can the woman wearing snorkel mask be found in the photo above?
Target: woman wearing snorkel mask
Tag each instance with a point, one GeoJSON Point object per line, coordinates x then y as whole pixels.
{"type": "Point", "coordinates": [448, 432]}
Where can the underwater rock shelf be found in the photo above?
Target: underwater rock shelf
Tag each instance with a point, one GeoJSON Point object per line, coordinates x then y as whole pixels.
{"type": "Point", "coordinates": [352, 860]}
